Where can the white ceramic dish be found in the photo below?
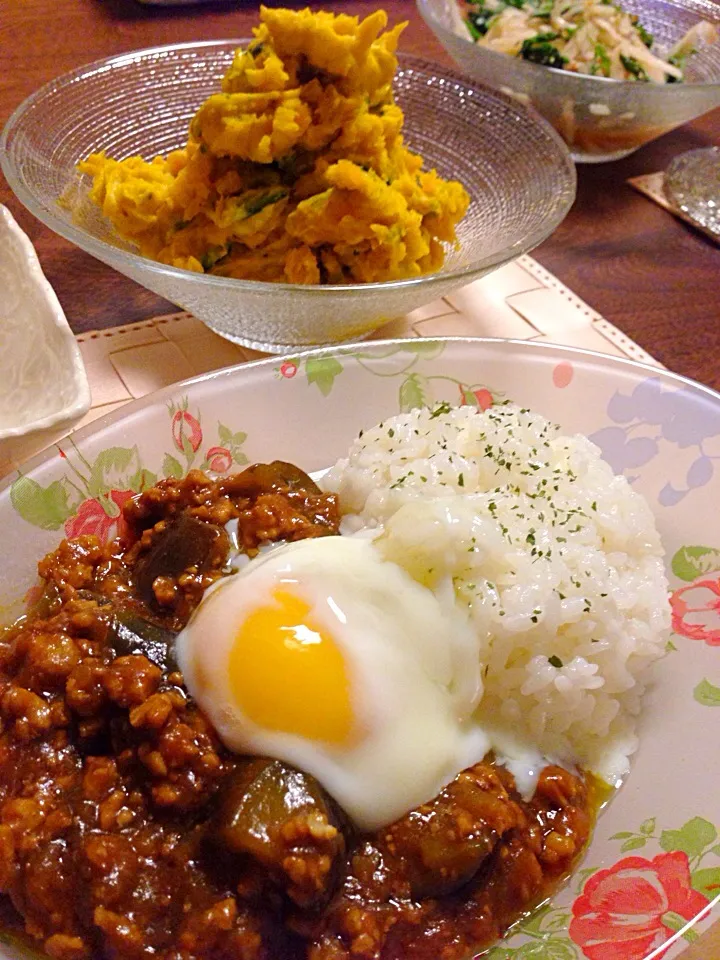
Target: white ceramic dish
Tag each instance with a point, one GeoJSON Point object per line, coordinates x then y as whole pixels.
{"type": "Point", "coordinates": [650, 877]}
{"type": "Point", "coordinates": [42, 377]}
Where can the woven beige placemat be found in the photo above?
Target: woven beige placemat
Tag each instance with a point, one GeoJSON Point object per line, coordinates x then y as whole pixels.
{"type": "Point", "coordinates": [521, 301]}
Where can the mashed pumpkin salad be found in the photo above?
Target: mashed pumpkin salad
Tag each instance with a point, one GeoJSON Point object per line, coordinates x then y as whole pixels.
{"type": "Point", "coordinates": [296, 171]}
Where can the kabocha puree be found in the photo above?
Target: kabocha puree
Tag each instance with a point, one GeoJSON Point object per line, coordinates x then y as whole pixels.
{"type": "Point", "coordinates": [296, 171]}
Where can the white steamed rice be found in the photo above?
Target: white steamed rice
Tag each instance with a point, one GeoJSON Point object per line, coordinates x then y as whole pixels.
{"type": "Point", "coordinates": [557, 560]}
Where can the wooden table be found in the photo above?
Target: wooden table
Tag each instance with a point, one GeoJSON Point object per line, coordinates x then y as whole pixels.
{"type": "Point", "coordinates": [655, 278]}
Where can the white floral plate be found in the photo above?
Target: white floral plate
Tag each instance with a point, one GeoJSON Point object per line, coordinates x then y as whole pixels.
{"type": "Point", "coordinates": [652, 873]}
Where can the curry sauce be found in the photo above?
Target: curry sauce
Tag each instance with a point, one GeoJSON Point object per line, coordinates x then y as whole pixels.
{"type": "Point", "coordinates": [128, 830]}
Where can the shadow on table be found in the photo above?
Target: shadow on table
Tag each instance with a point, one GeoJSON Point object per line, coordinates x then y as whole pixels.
{"type": "Point", "coordinates": [134, 10]}
{"type": "Point", "coordinates": [603, 186]}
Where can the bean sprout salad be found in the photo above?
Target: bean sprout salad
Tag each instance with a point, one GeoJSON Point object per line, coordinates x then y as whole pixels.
{"type": "Point", "coordinates": [593, 37]}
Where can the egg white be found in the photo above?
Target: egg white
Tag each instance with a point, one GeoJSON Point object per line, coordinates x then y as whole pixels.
{"type": "Point", "coordinates": [412, 663]}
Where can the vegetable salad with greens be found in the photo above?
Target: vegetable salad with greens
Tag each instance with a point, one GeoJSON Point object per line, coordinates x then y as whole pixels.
{"type": "Point", "coordinates": [593, 37]}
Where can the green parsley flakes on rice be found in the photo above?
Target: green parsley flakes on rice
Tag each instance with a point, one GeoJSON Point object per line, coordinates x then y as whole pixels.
{"type": "Point", "coordinates": [557, 561]}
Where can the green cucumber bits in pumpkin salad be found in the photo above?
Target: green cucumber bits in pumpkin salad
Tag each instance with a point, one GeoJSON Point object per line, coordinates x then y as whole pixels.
{"type": "Point", "coordinates": [584, 36]}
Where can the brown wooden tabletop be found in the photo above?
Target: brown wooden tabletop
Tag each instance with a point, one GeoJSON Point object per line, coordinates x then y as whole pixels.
{"type": "Point", "coordinates": [645, 271]}
{"type": "Point", "coordinates": [648, 273]}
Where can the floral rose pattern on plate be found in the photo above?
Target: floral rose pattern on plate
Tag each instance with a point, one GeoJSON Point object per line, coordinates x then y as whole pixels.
{"type": "Point", "coordinates": [651, 415]}
{"type": "Point", "coordinates": [89, 497]}
{"type": "Point", "coordinates": [101, 516]}
{"type": "Point", "coordinates": [696, 611]}
{"type": "Point", "coordinates": [414, 390]}
{"type": "Point", "coordinates": [637, 905]}
{"type": "Point", "coordinates": [696, 607]}
{"type": "Point", "coordinates": [634, 907]}
{"type": "Point", "coordinates": [188, 439]}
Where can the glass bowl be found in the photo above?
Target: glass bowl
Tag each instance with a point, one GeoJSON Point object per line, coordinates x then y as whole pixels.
{"type": "Point", "coordinates": [516, 169]}
{"type": "Point", "coordinates": [599, 119]}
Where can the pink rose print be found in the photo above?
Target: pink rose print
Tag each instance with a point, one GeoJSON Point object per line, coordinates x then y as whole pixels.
{"type": "Point", "coordinates": [288, 369]}
{"type": "Point", "coordinates": [621, 912]}
{"type": "Point", "coordinates": [483, 397]}
{"type": "Point", "coordinates": [186, 427]}
{"type": "Point", "coordinates": [696, 611]}
{"type": "Point", "coordinates": [219, 459]}
{"type": "Point", "coordinates": [92, 518]}
{"type": "Point", "coordinates": [562, 374]}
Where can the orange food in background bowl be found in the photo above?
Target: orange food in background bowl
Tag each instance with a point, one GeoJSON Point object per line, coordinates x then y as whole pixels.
{"type": "Point", "coordinates": [296, 171]}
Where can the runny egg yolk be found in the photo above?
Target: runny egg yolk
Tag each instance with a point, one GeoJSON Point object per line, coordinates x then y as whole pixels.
{"type": "Point", "coordinates": [287, 674]}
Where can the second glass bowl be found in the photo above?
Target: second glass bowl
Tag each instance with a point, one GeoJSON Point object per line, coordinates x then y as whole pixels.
{"type": "Point", "coordinates": [599, 119]}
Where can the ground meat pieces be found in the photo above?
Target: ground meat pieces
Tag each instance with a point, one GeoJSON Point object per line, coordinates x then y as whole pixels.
{"type": "Point", "coordinates": [153, 713]}
{"type": "Point", "coordinates": [560, 805]}
{"type": "Point", "coordinates": [122, 937]}
{"type": "Point", "coordinates": [127, 831]}
{"type": "Point", "coordinates": [28, 714]}
{"type": "Point", "coordinates": [100, 776]}
{"type": "Point", "coordinates": [62, 947]}
{"type": "Point", "coordinates": [109, 865]}
{"type": "Point", "coordinates": [188, 764]}
{"type": "Point", "coordinates": [50, 658]}
{"type": "Point", "coordinates": [440, 846]}
{"type": "Point", "coordinates": [73, 563]}
{"type": "Point", "coordinates": [208, 928]}
{"type": "Point", "coordinates": [85, 692]}
{"type": "Point", "coordinates": [477, 841]}
{"type": "Point", "coordinates": [131, 680]}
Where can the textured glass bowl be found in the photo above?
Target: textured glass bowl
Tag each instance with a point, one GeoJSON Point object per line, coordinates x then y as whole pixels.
{"type": "Point", "coordinates": [599, 119]}
{"type": "Point", "coordinates": [517, 171]}
{"type": "Point", "coordinates": [692, 183]}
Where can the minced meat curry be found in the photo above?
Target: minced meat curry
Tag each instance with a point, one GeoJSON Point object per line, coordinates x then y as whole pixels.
{"type": "Point", "coordinates": [127, 830]}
